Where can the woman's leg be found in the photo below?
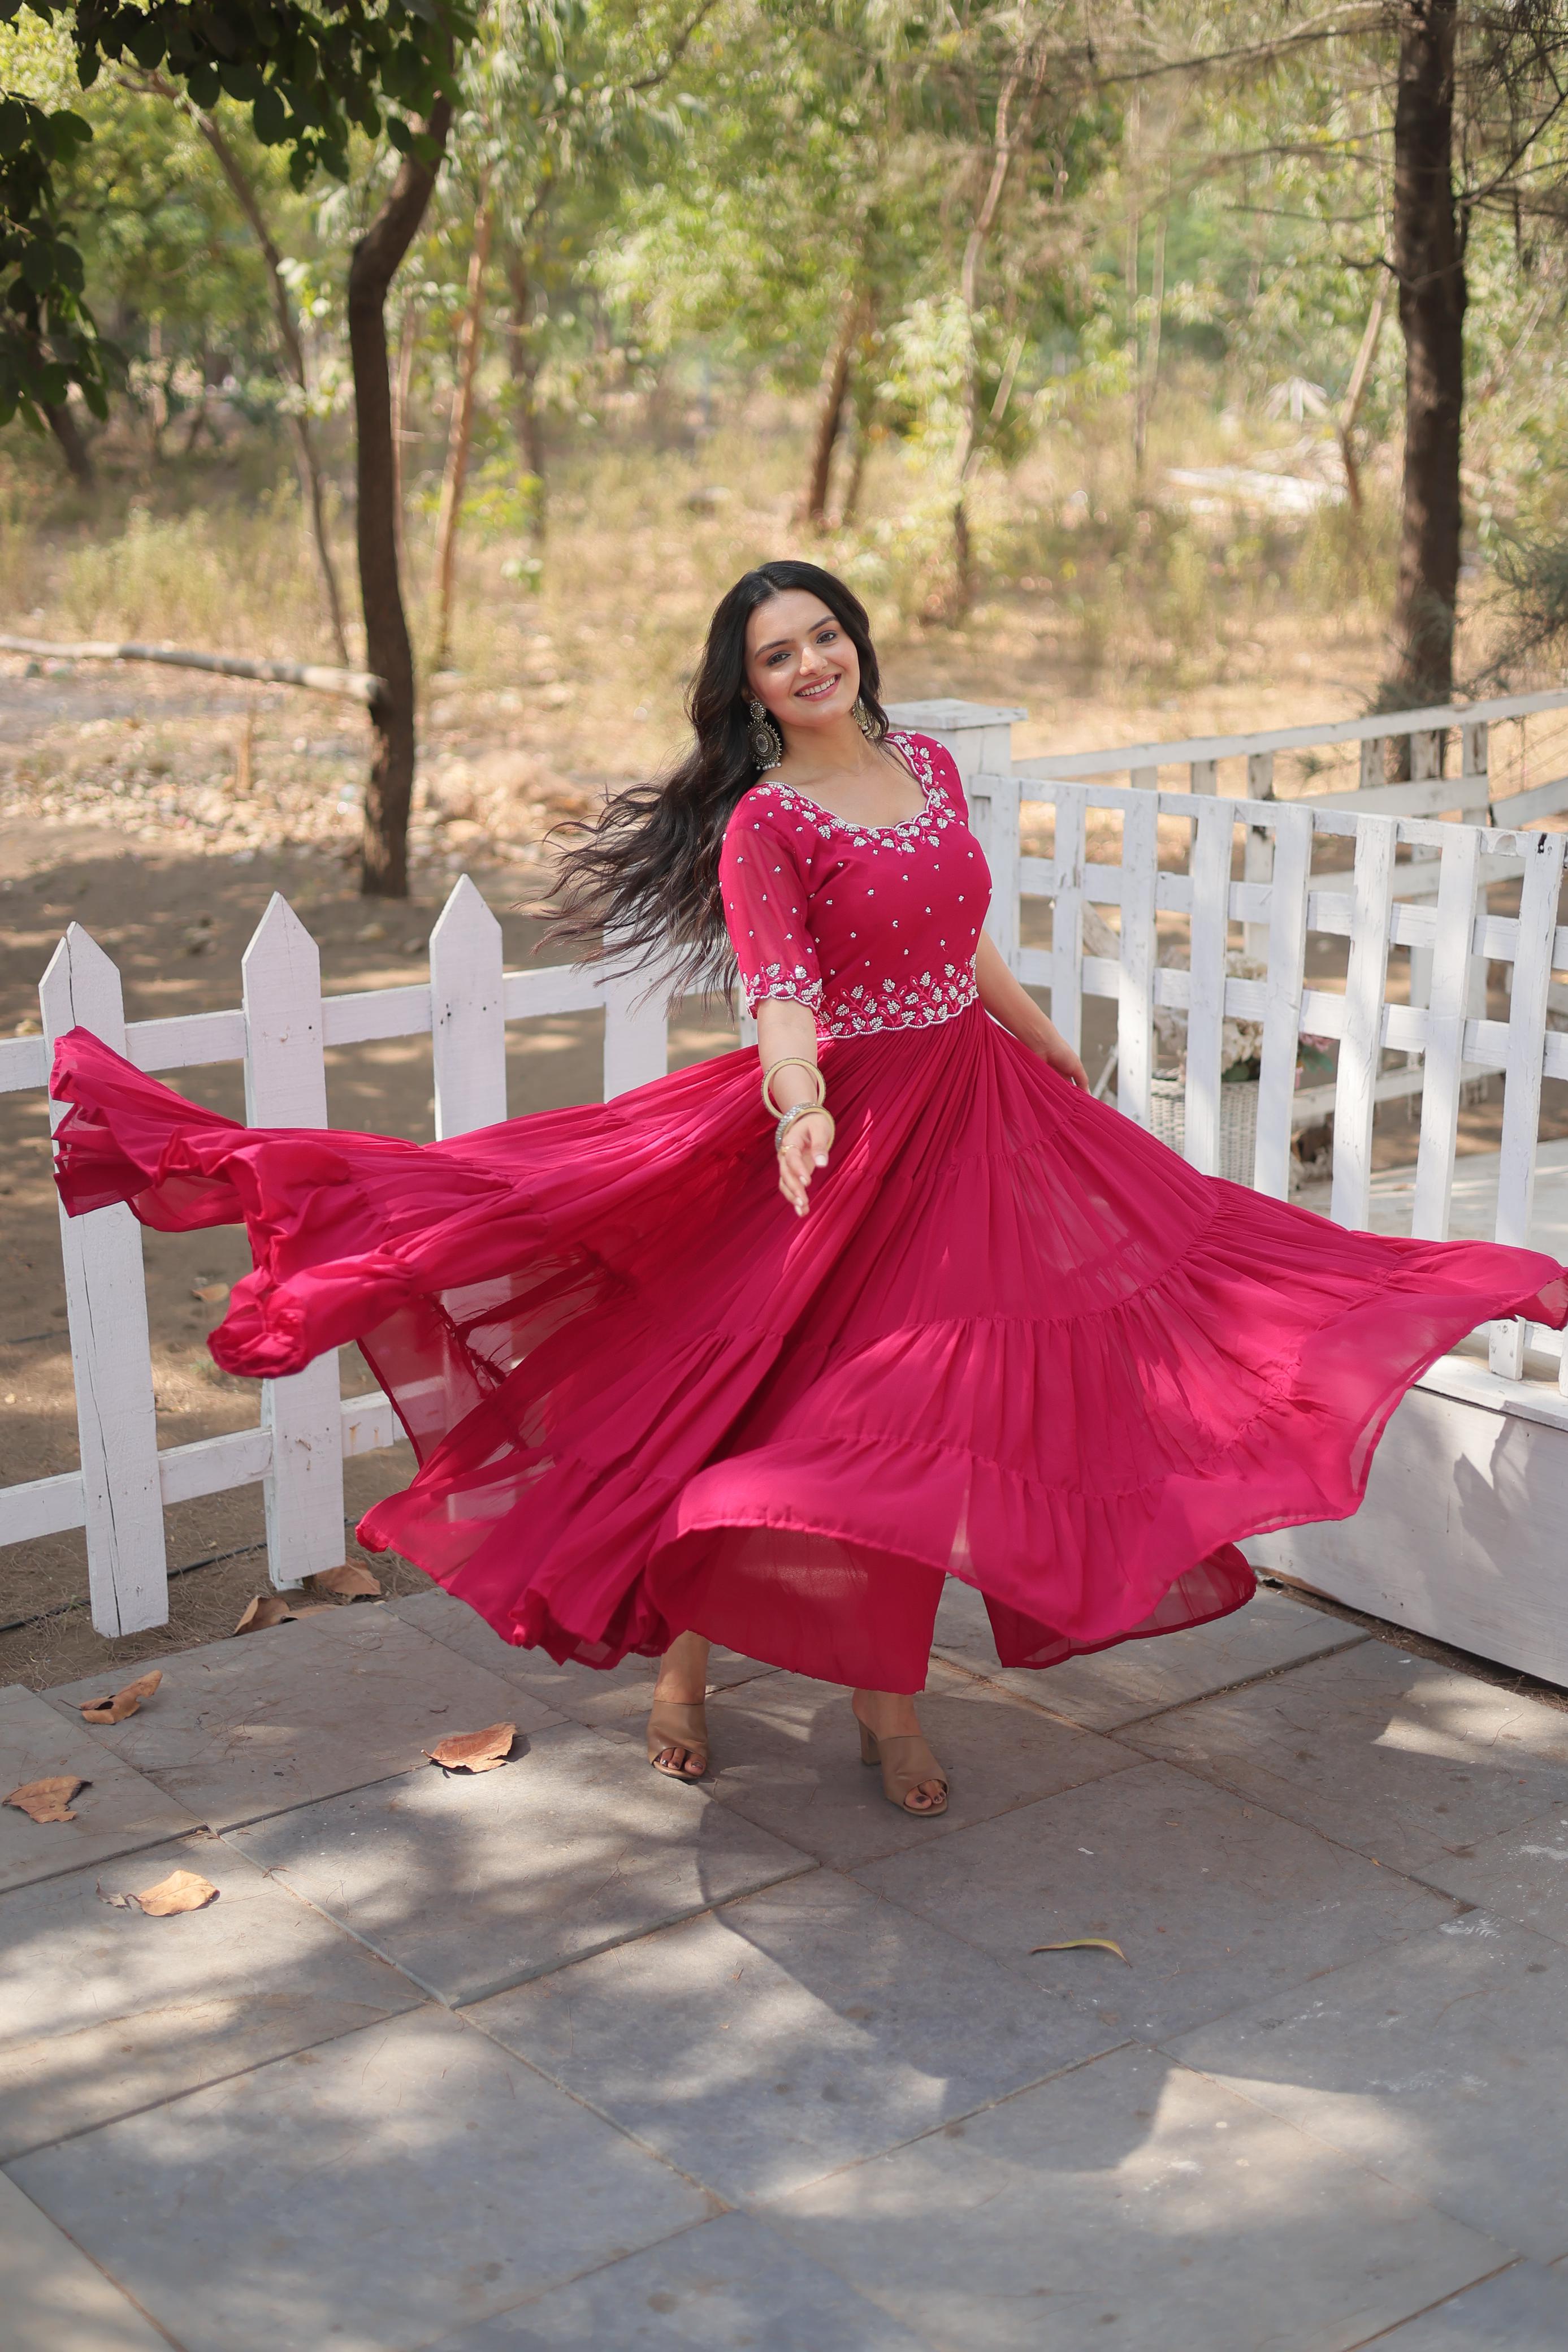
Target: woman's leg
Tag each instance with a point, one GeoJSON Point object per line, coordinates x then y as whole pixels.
{"type": "Point", "coordinates": [890, 1714]}
{"type": "Point", "coordinates": [683, 1676]}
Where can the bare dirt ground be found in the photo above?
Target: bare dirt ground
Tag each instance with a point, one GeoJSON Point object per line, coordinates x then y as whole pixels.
{"type": "Point", "coordinates": [162, 814]}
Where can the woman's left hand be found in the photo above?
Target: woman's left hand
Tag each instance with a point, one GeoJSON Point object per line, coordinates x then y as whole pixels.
{"type": "Point", "coordinates": [803, 1150]}
{"type": "Point", "coordinates": [1054, 1049]}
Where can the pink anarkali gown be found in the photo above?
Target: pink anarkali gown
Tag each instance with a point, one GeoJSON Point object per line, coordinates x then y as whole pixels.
{"type": "Point", "coordinates": [1016, 1340]}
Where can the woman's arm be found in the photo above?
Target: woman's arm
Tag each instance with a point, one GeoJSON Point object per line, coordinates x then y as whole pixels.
{"type": "Point", "coordinates": [784, 1027]}
{"type": "Point", "coordinates": [1008, 1001]}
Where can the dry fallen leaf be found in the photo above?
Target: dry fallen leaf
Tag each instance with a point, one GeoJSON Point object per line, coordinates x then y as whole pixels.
{"type": "Point", "coordinates": [209, 1293]}
{"type": "Point", "coordinates": [473, 1751]}
{"type": "Point", "coordinates": [47, 1801]}
{"type": "Point", "coordinates": [353, 1579]}
{"type": "Point", "coordinates": [266, 1608]}
{"type": "Point", "coordinates": [1084, 1944]}
{"type": "Point", "coordinates": [183, 1890]}
{"type": "Point", "coordinates": [123, 1702]}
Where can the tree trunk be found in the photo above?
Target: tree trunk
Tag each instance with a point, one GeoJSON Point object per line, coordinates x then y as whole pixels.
{"type": "Point", "coordinates": [1011, 135]}
{"type": "Point", "coordinates": [73, 448]}
{"type": "Point", "coordinates": [245, 196]}
{"type": "Point", "coordinates": [460, 438]}
{"type": "Point", "coordinates": [407, 340]}
{"type": "Point", "coordinates": [388, 653]}
{"type": "Point", "coordinates": [1429, 271]}
{"type": "Point", "coordinates": [831, 408]}
{"type": "Point", "coordinates": [1354, 394]}
{"type": "Point", "coordinates": [523, 359]}
{"type": "Point", "coordinates": [1149, 365]}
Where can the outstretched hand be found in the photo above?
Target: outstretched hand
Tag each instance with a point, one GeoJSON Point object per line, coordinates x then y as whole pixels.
{"type": "Point", "coordinates": [803, 1150]}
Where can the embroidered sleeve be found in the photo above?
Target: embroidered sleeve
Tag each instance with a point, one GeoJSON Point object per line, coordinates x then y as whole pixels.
{"type": "Point", "coordinates": [765, 909]}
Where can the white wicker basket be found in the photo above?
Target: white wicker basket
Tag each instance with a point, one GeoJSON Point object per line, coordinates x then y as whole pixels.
{"type": "Point", "coordinates": [1238, 1122]}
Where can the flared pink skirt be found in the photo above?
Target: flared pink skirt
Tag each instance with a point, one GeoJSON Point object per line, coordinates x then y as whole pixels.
{"type": "Point", "coordinates": [1016, 1340]}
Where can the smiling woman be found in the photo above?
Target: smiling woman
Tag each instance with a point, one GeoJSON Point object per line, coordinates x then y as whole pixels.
{"type": "Point", "coordinates": [684, 1366]}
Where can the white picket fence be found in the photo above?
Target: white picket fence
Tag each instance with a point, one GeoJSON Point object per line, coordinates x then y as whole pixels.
{"type": "Point", "coordinates": [280, 1033]}
{"type": "Point", "coordinates": [1417, 883]}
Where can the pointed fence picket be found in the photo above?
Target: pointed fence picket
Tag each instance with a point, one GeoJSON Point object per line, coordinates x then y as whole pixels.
{"type": "Point", "coordinates": [1417, 887]}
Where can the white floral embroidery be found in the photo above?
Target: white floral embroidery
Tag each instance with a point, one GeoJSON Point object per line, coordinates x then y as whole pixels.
{"type": "Point", "coordinates": [772, 979]}
{"type": "Point", "coordinates": [931, 823]}
{"type": "Point", "coordinates": [865, 1012]}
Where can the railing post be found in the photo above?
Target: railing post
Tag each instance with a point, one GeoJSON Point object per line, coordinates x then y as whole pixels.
{"type": "Point", "coordinates": [1447, 1004]}
{"type": "Point", "coordinates": [636, 1023]}
{"type": "Point", "coordinates": [1522, 1082]}
{"type": "Point", "coordinates": [286, 1085]}
{"type": "Point", "coordinates": [1210, 868]}
{"type": "Point", "coordinates": [1287, 964]}
{"type": "Point", "coordinates": [1136, 980]}
{"type": "Point", "coordinates": [105, 1302]}
{"type": "Point", "coordinates": [994, 807]}
{"type": "Point", "coordinates": [1361, 1044]}
{"type": "Point", "coordinates": [467, 1016]}
{"type": "Point", "coordinates": [1066, 916]}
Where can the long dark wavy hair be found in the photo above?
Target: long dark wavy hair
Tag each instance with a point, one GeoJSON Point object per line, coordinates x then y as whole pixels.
{"type": "Point", "coordinates": [646, 874]}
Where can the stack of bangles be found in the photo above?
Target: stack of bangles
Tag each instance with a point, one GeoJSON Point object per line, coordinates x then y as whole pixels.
{"type": "Point", "coordinates": [787, 1118]}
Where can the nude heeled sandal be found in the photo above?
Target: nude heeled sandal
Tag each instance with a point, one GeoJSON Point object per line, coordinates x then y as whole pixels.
{"type": "Point", "coordinates": [905, 1761]}
{"type": "Point", "coordinates": [677, 1723]}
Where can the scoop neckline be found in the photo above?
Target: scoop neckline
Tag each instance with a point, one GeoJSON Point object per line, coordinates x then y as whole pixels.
{"type": "Point", "coordinates": [846, 824]}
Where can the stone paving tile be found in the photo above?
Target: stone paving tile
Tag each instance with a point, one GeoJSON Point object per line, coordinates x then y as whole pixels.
{"type": "Point", "coordinates": [262, 1721]}
{"type": "Point", "coordinates": [787, 1755]}
{"type": "Point", "coordinates": [53, 2299]}
{"type": "Point", "coordinates": [1215, 1901]}
{"type": "Point", "coordinates": [1519, 1873]}
{"type": "Point", "coordinates": [117, 1814]}
{"type": "Point", "coordinates": [469, 1883]}
{"type": "Point", "coordinates": [1525, 2309]}
{"type": "Point", "coordinates": [104, 2011]}
{"type": "Point", "coordinates": [1379, 1750]}
{"type": "Point", "coordinates": [1441, 2063]}
{"type": "Point", "coordinates": [378, 2193]}
{"type": "Point", "coordinates": [582, 1693]}
{"type": "Point", "coordinates": [761, 2045]}
{"type": "Point", "coordinates": [732, 2281]}
{"type": "Point", "coordinates": [1134, 2204]}
{"type": "Point", "coordinates": [1137, 1678]}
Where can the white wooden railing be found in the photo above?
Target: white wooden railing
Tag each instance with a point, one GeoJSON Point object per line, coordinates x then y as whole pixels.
{"type": "Point", "coordinates": [1416, 884]}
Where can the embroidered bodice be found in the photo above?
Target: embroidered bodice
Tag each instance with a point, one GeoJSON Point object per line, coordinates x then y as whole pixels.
{"type": "Point", "coordinates": [870, 927]}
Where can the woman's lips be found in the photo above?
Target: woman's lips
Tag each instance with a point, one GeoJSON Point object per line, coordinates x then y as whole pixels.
{"type": "Point", "coordinates": [816, 693]}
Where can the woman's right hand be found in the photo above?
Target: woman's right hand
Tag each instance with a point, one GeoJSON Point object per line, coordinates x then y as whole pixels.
{"type": "Point", "coordinates": [803, 1150]}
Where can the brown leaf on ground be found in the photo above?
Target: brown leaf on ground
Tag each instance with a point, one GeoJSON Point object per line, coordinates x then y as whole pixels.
{"type": "Point", "coordinates": [475, 1751]}
{"type": "Point", "coordinates": [183, 1890]}
{"type": "Point", "coordinates": [266, 1608]}
{"type": "Point", "coordinates": [353, 1580]}
{"type": "Point", "coordinates": [122, 1703]}
{"type": "Point", "coordinates": [209, 1293]}
{"type": "Point", "coordinates": [1084, 1944]}
{"type": "Point", "coordinates": [47, 1801]}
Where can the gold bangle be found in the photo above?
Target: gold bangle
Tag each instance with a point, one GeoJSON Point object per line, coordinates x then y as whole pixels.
{"type": "Point", "coordinates": [791, 1062]}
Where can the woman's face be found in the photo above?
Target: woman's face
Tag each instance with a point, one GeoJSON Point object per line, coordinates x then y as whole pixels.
{"type": "Point", "coordinates": [801, 662]}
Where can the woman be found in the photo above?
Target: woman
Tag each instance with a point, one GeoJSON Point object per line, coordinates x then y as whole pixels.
{"type": "Point", "coordinates": [992, 1329]}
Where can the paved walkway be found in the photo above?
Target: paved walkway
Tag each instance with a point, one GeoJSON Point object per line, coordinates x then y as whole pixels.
{"type": "Point", "coordinates": [565, 2056]}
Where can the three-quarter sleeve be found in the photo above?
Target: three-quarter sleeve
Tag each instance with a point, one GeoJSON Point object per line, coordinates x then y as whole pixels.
{"type": "Point", "coordinates": [765, 909]}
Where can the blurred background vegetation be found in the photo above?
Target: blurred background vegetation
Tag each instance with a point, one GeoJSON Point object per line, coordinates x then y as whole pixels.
{"type": "Point", "coordinates": [1071, 336]}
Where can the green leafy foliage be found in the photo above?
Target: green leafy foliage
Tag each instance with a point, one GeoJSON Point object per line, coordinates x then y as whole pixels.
{"type": "Point", "coordinates": [309, 77]}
